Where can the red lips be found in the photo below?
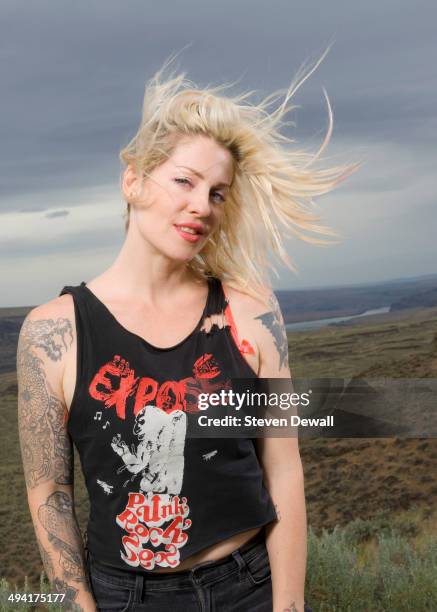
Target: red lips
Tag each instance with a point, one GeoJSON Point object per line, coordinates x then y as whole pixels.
{"type": "Point", "coordinates": [197, 227]}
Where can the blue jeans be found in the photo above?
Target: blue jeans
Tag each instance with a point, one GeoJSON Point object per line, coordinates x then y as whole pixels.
{"type": "Point", "coordinates": [240, 582]}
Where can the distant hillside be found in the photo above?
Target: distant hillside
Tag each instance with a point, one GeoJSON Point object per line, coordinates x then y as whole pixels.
{"type": "Point", "coordinates": [312, 304]}
{"type": "Point", "coordinates": [11, 320]}
{"type": "Point", "coordinates": [423, 299]}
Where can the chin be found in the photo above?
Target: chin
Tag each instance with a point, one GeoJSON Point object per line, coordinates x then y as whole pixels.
{"type": "Point", "coordinates": [182, 256]}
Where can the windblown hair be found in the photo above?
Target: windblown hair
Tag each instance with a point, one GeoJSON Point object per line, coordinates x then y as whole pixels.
{"type": "Point", "coordinates": [271, 196]}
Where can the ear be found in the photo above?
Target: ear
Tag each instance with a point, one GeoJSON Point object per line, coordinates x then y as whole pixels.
{"type": "Point", "coordinates": [130, 184]}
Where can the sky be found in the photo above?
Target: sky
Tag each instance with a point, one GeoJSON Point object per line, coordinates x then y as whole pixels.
{"type": "Point", "coordinates": [72, 82]}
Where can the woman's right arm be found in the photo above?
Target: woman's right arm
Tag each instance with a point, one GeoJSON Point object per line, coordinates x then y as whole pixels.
{"type": "Point", "coordinates": [44, 347]}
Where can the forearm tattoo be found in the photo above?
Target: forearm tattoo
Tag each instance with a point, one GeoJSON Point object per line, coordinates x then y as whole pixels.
{"type": "Point", "coordinates": [45, 445]}
{"type": "Point", "coordinates": [46, 561]}
{"type": "Point", "coordinates": [57, 517]}
{"type": "Point", "coordinates": [274, 322]}
{"type": "Point", "coordinates": [291, 608]}
{"type": "Point", "coordinates": [60, 586]}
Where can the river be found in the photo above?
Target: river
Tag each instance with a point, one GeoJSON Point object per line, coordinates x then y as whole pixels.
{"type": "Point", "coordinates": [317, 323]}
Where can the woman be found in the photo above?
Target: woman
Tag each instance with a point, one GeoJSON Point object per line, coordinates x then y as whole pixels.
{"type": "Point", "coordinates": [117, 365]}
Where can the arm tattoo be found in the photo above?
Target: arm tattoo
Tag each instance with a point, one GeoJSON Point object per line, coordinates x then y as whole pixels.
{"type": "Point", "coordinates": [60, 586]}
{"type": "Point", "coordinates": [291, 608]}
{"type": "Point", "coordinates": [58, 519]}
{"type": "Point", "coordinates": [46, 561]}
{"type": "Point", "coordinates": [48, 455]}
{"type": "Point", "coordinates": [274, 322]}
{"type": "Point", "coordinates": [53, 337]}
{"type": "Point", "coordinates": [45, 445]}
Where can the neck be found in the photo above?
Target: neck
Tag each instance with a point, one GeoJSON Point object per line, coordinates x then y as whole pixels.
{"type": "Point", "coordinates": [140, 271]}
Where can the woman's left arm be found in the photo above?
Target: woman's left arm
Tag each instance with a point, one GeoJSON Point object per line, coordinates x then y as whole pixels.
{"type": "Point", "coordinates": [286, 538]}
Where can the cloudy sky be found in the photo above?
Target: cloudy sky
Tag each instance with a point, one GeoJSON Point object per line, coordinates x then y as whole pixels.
{"type": "Point", "coordinates": [72, 80]}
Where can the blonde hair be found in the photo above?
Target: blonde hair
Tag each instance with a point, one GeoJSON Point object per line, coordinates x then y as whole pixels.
{"type": "Point", "coordinates": [274, 184]}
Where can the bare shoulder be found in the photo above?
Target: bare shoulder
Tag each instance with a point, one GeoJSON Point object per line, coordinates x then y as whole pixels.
{"type": "Point", "coordinates": [248, 305]}
{"type": "Point", "coordinates": [254, 308]}
{"type": "Point", "coordinates": [60, 307]}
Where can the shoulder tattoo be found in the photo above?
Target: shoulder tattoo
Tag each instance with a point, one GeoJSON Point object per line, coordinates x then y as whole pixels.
{"type": "Point", "coordinates": [274, 322]}
{"type": "Point", "coordinates": [53, 337]}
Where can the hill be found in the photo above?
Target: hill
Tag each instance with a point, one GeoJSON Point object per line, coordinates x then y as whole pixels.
{"type": "Point", "coordinates": [423, 299]}
{"type": "Point", "coordinates": [311, 304]}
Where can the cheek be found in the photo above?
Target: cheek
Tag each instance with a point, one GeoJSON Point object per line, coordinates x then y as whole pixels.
{"type": "Point", "coordinates": [157, 213]}
{"type": "Point", "coordinates": [163, 200]}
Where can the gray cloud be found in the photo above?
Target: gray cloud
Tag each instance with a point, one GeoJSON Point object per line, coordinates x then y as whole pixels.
{"type": "Point", "coordinates": [57, 213]}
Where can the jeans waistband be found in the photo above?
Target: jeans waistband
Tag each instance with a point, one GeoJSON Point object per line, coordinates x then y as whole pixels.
{"type": "Point", "coordinates": [201, 573]}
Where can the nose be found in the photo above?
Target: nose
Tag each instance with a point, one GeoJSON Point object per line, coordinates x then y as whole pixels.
{"type": "Point", "coordinates": [199, 203]}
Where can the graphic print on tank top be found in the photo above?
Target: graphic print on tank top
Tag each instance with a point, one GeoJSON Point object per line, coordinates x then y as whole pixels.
{"type": "Point", "coordinates": [131, 420]}
{"type": "Point", "coordinates": [155, 517]}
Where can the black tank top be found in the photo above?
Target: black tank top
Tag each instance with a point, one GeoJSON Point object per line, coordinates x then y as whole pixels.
{"type": "Point", "coordinates": [157, 496]}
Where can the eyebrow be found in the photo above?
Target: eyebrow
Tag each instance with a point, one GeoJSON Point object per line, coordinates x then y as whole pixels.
{"type": "Point", "coordinates": [200, 175]}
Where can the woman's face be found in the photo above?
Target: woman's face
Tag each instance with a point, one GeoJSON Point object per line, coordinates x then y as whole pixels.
{"type": "Point", "coordinates": [182, 200]}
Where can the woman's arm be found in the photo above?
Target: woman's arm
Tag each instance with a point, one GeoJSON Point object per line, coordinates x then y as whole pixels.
{"type": "Point", "coordinates": [47, 454]}
{"type": "Point", "coordinates": [283, 476]}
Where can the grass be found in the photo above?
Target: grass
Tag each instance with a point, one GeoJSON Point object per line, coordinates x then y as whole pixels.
{"type": "Point", "coordinates": [363, 568]}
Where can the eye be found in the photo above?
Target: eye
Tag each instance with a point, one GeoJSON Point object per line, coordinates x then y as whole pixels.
{"type": "Point", "coordinates": [182, 181]}
{"type": "Point", "coordinates": [217, 196]}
